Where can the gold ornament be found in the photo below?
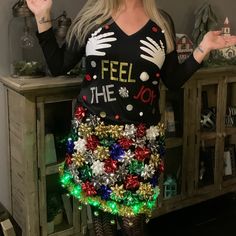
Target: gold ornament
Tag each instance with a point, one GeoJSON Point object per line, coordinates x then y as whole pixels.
{"type": "Point", "coordinates": [161, 128]}
{"type": "Point", "coordinates": [118, 191]}
{"type": "Point", "coordinates": [145, 190]}
{"type": "Point", "coordinates": [102, 131]}
{"type": "Point", "coordinates": [126, 211]}
{"type": "Point", "coordinates": [78, 159]}
{"type": "Point", "coordinates": [102, 153]}
{"type": "Point", "coordinates": [85, 130]}
{"type": "Point", "coordinates": [116, 131]}
{"type": "Point", "coordinates": [155, 160]}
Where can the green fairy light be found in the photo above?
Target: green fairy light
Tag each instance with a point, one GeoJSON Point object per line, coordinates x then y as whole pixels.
{"type": "Point", "coordinates": [136, 208]}
{"type": "Point", "coordinates": [113, 206]}
{"type": "Point", "coordinates": [151, 204]}
{"type": "Point", "coordinates": [65, 179]}
{"type": "Point", "coordinates": [113, 222]}
{"type": "Point", "coordinates": [77, 191]}
{"type": "Point", "coordinates": [96, 213]}
{"type": "Point", "coordinates": [93, 202]}
{"type": "Point", "coordinates": [156, 194]}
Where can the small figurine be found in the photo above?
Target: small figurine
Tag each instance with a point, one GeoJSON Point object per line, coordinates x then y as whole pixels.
{"type": "Point", "coordinates": [229, 52]}
{"type": "Point", "coordinates": [184, 47]}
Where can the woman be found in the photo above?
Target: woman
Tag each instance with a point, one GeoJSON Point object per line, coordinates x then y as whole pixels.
{"type": "Point", "coordinates": [115, 160]}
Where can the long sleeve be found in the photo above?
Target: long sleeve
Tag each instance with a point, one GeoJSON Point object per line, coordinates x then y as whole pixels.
{"type": "Point", "coordinates": [59, 59]}
{"type": "Point", "coordinates": [173, 74]}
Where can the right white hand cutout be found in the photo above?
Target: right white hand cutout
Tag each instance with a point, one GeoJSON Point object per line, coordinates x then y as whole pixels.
{"type": "Point", "coordinates": [97, 42]}
{"type": "Point", "coordinates": [155, 53]}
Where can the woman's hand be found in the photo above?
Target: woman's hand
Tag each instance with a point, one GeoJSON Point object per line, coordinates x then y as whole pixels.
{"type": "Point", "coordinates": [212, 40]}
{"type": "Point", "coordinates": [215, 40]}
{"type": "Point", "coordinates": [42, 12]}
{"type": "Point", "coordinates": [40, 7]}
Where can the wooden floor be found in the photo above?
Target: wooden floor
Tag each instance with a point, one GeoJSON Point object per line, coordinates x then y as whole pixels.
{"type": "Point", "coordinates": [216, 217]}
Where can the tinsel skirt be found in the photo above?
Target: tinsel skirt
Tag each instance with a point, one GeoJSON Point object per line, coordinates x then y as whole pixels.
{"type": "Point", "coordinates": [114, 168]}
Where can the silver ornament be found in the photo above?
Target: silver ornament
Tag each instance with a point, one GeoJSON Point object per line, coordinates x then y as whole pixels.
{"type": "Point", "coordinates": [152, 133]}
{"type": "Point", "coordinates": [144, 76]}
{"type": "Point", "coordinates": [93, 120]}
{"type": "Point", "coordinates": [129, 107]}
{"type": "Point", "coordinates": [124, 93]}
{"type": "Point", "coordinates": [140, 142]}
{"type": "Point", "coordinates": [130, 131]}
{"type": "Point", "coordinates": [80, 145]}
{"type": "Point", "coordinates": [148, 171]}
{"type": "Point", "coordinates": [93, 64]}
{"type": "Point", "coordinates": [98, 168]}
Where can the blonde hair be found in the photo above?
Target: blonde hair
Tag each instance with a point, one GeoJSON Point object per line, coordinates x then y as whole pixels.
{"type": "Point", "coordinates": [96, 12]}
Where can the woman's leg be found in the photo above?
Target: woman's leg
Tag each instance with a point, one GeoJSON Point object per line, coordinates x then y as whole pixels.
{"type": "Point", "coordinates": [103, 223]}
{"type": "Point", "coordinates": [97, 224]}
{"type": "Point", "coordinates": [133, 226]}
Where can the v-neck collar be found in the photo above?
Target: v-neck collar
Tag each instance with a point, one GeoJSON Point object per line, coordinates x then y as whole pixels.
{"type": "Point", "coordinates": [133, 34]}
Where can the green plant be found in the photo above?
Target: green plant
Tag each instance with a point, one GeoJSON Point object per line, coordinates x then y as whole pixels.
{"type": "Point", "coordinates": [205, 20]}
{"type": "Point", "coordinates": [54, 205]}
{"type": "Point", "coordinates": [24, 68]}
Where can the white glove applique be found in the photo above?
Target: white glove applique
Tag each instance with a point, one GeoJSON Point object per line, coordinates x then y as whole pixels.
{"type": "Point", "coordinates": [97, 42]}
{"type": "Point", "coordinates": [155, 53]}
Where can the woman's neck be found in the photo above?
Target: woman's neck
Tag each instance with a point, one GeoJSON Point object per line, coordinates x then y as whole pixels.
{"type": "Point", "coordinates": [131, 4]}
{"type": "Point", "coordinates": [129, 7]}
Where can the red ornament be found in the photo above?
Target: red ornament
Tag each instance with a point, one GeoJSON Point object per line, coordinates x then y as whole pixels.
{"type": "Point", "coordinates": [80, 112]}
{"type": "Point", "coordinates": [161, 167]}
{"type": "Point", "coordinates": [84, 98]}
{"type": "Point", "coordinates": [117, 117]}
{"type": "Point", "coordinates": [141, 130]}
{"type": "Point", "coordinates": [125, 143]}
{"type": "Point", "coordinates": [132, 182]}
{"type": "Point", "coordinates": [68, 159]}
{"type": "Point", "coordinates": [110, 165]}
{"type": "Point", "coordinates": [88, 77]}
{"type": "Point", "coordinates": [106, 27]}
{"type": "Point", "coordinates": [142, 153]}
{"type": "Point", "coordinates": [92, 142]}
{"type": "Point", "coordinates": [154, 29]}
{"type": "Point", "coordinates": [89, 189]}
{"type": "Point", "coordinates": [158, 75]}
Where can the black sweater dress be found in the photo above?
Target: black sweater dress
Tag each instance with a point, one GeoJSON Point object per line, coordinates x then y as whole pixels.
{"type": "Point", "coordinates": [115, 154]}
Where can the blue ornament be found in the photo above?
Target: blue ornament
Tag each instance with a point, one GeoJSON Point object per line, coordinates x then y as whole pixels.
{"type": "Point", "coordinates": [70, 146]}
{"type": "Point", "coordinates": [105, 192]}
{"type": "Point", "coordinates": [154, 181]}
{"type": "Point", "coordinates": [162, 151]}
{"type": "Point", "coordinates": [117, 152]}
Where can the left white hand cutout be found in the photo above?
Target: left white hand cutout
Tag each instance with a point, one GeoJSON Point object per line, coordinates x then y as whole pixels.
{"type": "Point", "coordinates": [97, 42]}
{"type": "Point", "coordinates": [156, 52]}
